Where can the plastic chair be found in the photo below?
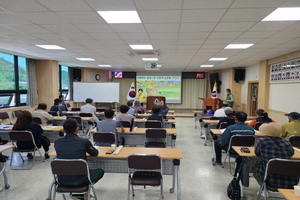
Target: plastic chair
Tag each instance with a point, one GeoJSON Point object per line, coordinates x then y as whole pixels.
{"type": "Point", "coordinates": [126, 124]}
{"type": "Point", "coordinates": [70, 167]}
{"type": "Point", "coordinates": [295, 140]}
{"type": "Point", "coordinates": [4, 116]}
{"type": "Point", "coordinates": [238, 140]}
{"type": "Point", "coordinates": [37, 120]}
{"type": "Point", "coordinates": [75, 109]}
{"type": "Point", "coordinates": [139, 174]}
{"type": "Point", "coordinates": [53, 113]}
{"type": "Point", "coordinates": [101, 137]}
{"type": "Point", "coordinates": [277, 166]}
{"type": "Point", "coordinates": [156, 138]}
{"type": "Point", "coordinates": [152, 124]}
{"type": "Point", "coordinates": [23, 136]}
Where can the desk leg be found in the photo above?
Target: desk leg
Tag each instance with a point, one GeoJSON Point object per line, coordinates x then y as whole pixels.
{"type": "Point", "coordinates": [173, 140]}
{"type": "Point", "coordinates": [176, 177]}
{"type": "Point", "coordinates": [6, 185]}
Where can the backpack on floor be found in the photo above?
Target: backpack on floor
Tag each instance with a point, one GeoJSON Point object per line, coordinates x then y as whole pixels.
{"type": "Point", "coordinates": [234, 190]}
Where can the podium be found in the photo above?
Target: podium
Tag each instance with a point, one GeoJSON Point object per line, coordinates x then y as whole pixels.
{"type": "Point", "coordinates": [214, 103]}
{"type": "Point", "coordinates": [150, 102]}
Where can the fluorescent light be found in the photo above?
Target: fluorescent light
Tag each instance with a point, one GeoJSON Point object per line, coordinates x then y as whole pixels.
{"type": "Point", "coordinates": [104, 65]}
{"type": "Point", "coordinates": [116, 17]}
{"type": "Point", "coordinates": [284, 14]}
{"type": "Point", "coordinates": [150, 59]}
{"type": "Point", "coordinates": [86, 59]}
{"type": "Point", "coordinates": [238, 46]}
{"type": "Point", "coordinates": [217, 59]}
{"type": "Point", "coordinates": [51, 47]}
{"type": "Point", "coordinates": [206, 65]}
{"type": "Point", "coordinates": [141, 47]}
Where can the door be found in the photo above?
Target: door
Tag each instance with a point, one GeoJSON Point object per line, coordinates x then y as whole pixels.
{"type": "Point", "coordinates": [253, 95]}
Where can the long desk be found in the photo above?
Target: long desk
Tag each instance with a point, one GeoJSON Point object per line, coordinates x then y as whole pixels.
{"type": "Point", "coordinates": [137, 136]}
{"type": "Point", "coordinates": [289, 194]}
{"type": "Point", "coordinates": [63, 118]}
{"type": "Point", "coordinates": [112, 163]}
{"type": "Point", "coordinates": [141, 122]}
{"type": "Point", "coordinates": [3, 164]}
{"type": "Point", "coordinates": [219, 132]}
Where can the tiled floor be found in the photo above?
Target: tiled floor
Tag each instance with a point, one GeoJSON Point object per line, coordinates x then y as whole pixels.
{"type": "Point", "coordinates": [199, 179]}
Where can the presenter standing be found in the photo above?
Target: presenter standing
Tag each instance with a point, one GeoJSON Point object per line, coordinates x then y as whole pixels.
{"type": "Point", "coordinates": [229, 98]}
{"type": "Point", "coordinates": [141, 96]}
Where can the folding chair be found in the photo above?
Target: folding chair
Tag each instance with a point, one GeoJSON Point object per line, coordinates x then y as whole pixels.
{"type": "Point", "coordinates": [23, 136]}
{"type": "Point", "coordinates": [277, 166]}
{"type": "Point", "coordinates": [53, 113]}
{"type": "Point", "coordinates": [257, 125]}
{"type": "Point", "coordinates": [37, 120]}
{"type": "Point", "coordinates": [70, 167]}
{"type": "Point", "coordinates": [105, 138]}
{"type": "Point", "coordinates": [152, 124]}
{"type": "Point", "coordinates": [75, 109]}
{"type": "Point", "coordinates": [238, 140]}
{"type": "Point", "coordinates": [85, 115]}
{"type": "Point", "coordinates": [5, 116]}
{"type": "Point", "coordinates": [139, 174]}
{"type": "Point", "coordinates": [295, 140]}
{"type": "Point", "coordinates": [207, 130]}
{"type": "Point", "coordinates": [125, 124]}
{"type": "Point", "coordinates": [156, 138]}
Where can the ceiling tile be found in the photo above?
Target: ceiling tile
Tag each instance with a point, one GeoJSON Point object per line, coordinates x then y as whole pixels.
{"type": "Point", "coordinates": [195, 27]}
{"type": "Point", "coordinates": [62, 28]}
{"type": "Point", "coordinates": [196, 4]}
{"type": "Point", "coordinates": [88, 17]}
{"type": "Point", "coordinates": [193, 36]}
{"type": "Point", "coordinates": [234, 26]}
{"type": "Point", "coordinates": [9, 18]}
{"type": "Point", "coordinates": [198, 16]}
{"type": "Point", "coordinates": [128, 28]}
{"type": "Point", "coordinates": [20, 6]}
{"type": "Point", "coordinates": [270, 26]}
{"type": "Point", "coordinates": [159, 16]}
{"type": "Point", "coordinates": [159, 36]}
{"type": "Point", "coordinates": [65, 5]}
{"type": "Point", "coordinates": [159, 5]}
{"type": "Point", "coordinates": [94, 28]}
{"type": "Point", "coordinates": [29, 28]}
{"type": "Point", "coordinates": [225, 34]}
{"type": "Point", "coordinates": [246, 15]}
{"type": "Point", "coordinates": [42, 17]}
{"type": "Point", "coordinates": [162, 28]}
{"type": "Point", "coordinates": [108, 5]}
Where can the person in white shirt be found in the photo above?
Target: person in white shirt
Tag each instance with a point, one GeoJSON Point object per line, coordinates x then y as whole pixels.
{"type": "Point", "coordinates": [89, 108]}
{"type": "Point", "coordinates": [220, 112]}
{"type": "Point", "coordinates": [42, 114]}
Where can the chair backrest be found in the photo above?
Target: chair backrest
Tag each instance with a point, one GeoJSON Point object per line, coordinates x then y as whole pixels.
{"type": "Point", "coordinates": [224, 125]}
{"type": "Point", "coordinates": [68, 105]}
{"type": "Point", "coordinates": [85, 115]}
{"type": "Point", "coordinates": [257, 125]}
{"type": "Point", "coordinates": [4, 115]}
{"type": "Point", "coordinates": [37, 120]}
{"type": "Point", "coordinates": [215, 118]}
{"type": "Point", "coordinates": [104, 137]}
{"type": "Point", "coordinates": [75, 109]}
{"type": "Point", "coordinates": [242, 140]}
{"type": "Point", "coordinates": [78, 119]}
{"type": "Point", "coordinates": [156, 133]}
{"type": "Point", "coordinates": [53, 113]}
{"type": "Point", "coordinates": [125, 124]}
{"type": "Point", "coordinates": [152, 124]}
{"type": "Point", "coordinates": [295, 140]}
{"type": "Point", "coordinates": [24, 136]}
{"type": "Point", "coordinates": [16, 112]}
{"type": "Point", "coordinates": [70, 167]}
{"type": "Point", "coordinates": [144, 161]}
{"type": "Point", "coordinates": [279, 166]}
{"type": "Point", "coordinates": [100, 109]}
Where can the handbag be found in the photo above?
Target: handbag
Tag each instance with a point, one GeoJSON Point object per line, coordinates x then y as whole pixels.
{"type": "Point", "coordinates": [234, 190]}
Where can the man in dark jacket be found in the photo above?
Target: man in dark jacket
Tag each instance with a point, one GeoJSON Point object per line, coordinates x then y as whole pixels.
{"type": "Point", "coordinates": [156, 116]}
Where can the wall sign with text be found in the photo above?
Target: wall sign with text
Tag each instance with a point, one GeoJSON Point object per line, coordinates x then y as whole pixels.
{"type": "Point", "coordinates": [288, 71]}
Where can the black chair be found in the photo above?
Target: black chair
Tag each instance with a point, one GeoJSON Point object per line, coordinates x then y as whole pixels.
{"type": "Point", "coordinates": [277, 166]}
{"type": "Point", "coordinates": [215, 118]}
{"type": "Point", "coordinates": [238, 140]}
{"type": "Point", "coordinates": [75, 109]}
{"type": "Point", "coordinates": [153, 124]}
{"type": "Point", "coordinates": [15, 113]}
{"type": "Point", "coordinates": [101, 137]}
{"type": "Point", "coordinates": [4, 116]}
{"type": "Point", "coordinates": [224, 125]}
{"type": "Point", "coordinates": [23, 136]}
{"type": "Point", "coordinates": [126, 124]}
{"type": "Point", "coordinates": [70, 167]}
{"type": "Point", "coordinates": [100, 109]}
{"type": "Point", "coordinates": [295, 140]}
{"type": "Point", "coordinates": [68, 105]}
{"type": "Point", "coordinates": [257, 125]}
{"type": "Point", "coordinates": [156, 138]}
{"type": "Point", "coordinates": [85, 114]}
{"type": "Point", "coordinates": [139, 174]}
{"type": "Point", "coordinates": [53, 113]}
{"type": "Point", "coordinates": [37, 120]}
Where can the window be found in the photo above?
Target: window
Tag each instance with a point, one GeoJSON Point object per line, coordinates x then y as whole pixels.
{"type": "Point", "coordinates": [64, 81]}
{"type": "Point", "coordinates": [13, 80]}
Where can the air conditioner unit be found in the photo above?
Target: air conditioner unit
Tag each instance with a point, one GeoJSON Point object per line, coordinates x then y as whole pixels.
{"type": "Point", "coordinates": [152, 66]}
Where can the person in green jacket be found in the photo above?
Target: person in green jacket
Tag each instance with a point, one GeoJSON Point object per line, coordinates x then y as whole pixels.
{"type": "Point", "coordinates": [292, 127]}
{"type": "Point", "coordinates": [229, 98]}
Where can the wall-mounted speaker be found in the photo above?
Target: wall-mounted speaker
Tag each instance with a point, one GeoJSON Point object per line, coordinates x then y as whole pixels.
{"type": "Point", "coordinates": [77, 74]}
{"type": "Point", "coordinates": [239, 75]}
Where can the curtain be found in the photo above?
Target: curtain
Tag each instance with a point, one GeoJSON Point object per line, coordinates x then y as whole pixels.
{"type": "Point", "coordinates": [32, 96]}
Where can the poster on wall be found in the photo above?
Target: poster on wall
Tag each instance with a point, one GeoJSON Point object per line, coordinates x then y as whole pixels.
{"type": "Point", "coordinates": [288, 71]}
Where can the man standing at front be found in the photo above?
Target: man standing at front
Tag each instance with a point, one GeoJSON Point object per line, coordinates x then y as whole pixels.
{"type": "Point", "coordinates": [239, 128]}
{"type": "Point", "coordinates": [89, 108]}
{"type": "Point", "coordinates": [73, 147]}
{"type": "Point", "coordinates": [229, 98]}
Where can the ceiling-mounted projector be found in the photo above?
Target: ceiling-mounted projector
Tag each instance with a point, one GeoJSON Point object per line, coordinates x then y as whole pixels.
{"type": "Point", "coordinates": [152, 66]}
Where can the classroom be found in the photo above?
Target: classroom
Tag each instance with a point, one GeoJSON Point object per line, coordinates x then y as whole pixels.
{"type": "Point", "coordinates": [183, 51]}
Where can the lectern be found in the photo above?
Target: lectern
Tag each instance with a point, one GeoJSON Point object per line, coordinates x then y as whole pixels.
{"type": "Point", "coordinates": [214, 103]}
{"type": "Point", "coordinates": [150, 102]}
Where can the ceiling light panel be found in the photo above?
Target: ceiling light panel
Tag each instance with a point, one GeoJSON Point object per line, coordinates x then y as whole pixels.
{"type": "Point", "coordinates": [238, 46]}
{"type": "Point", "coordinates": [120, 17]}
{"type": "Point", "coordinates": [217, 59]}
{"type": "Point", "coordinates": [206, 65]}
{"type": "Point", "coordinates": [104, 65]}
{"type": "Point", "coordinates": [141, 47]}
{"type": "Point", "coordinates": [150, 59]}
{"type": "Point", "coordinates": [85, 59]}
{"type": "Point", "coordinates": [51, 47]}
{"type": "Point", "coordinates": [284, 14]}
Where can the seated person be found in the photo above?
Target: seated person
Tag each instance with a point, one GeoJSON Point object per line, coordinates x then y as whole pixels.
{"type": "Point", "coordinates": [292, 127]}
{"type": "Point", "coordinates": [73, 147]}
{"type": "Point", "coordinates": [131, 110]}
{"type": "Point", "coordinates": [270, 147]}
{"type": "Point", "coordinates": [239, 128]}
{"type": "Point", "coordinates": [156, 116]}
{"type": "Point", "coordinates": [58, 107]}
{"type": "Point", "coordinates": [163, 108]}
{"type": "Point", "coordinates": [124, 116]}
{"type": "Point", "coordinates": [220, 112]}
{"type": "Point", "coordinates": [109, 125]}
{"type": "Point", "coordinates": [89, 108]}
{"type": "Point", "coordinates": [25, 122]}
{"type": "Point", "coordinates": [137, 106]}
{"type": "Point", "coordinates": [262, 117]}
{"type": "Point", "coordinates": [42, 114]}
{"type": "Point", "coordinates": [229, 119]}
{"type": "Point", "coordinates": [62, 98]}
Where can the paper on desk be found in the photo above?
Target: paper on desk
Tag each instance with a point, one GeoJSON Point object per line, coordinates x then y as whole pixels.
{"type": "Point", "coordinates": [49, 127]}
{"type": "Point", "coordinates": [296, 149]}
{"type": "Point", "coordinates": [96, 147]}
{"type": "Point", "coordinates": [256, 131]}
{"type": "Point", "coordinates": [222, 130]}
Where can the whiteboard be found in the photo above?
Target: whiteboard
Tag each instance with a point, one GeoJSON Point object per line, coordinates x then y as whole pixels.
{"type": "Point", "coordinates": [99, 92]}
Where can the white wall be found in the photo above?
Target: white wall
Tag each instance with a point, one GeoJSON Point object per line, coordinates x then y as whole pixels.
{"type": "Point", "coordinates": [252, 74]}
